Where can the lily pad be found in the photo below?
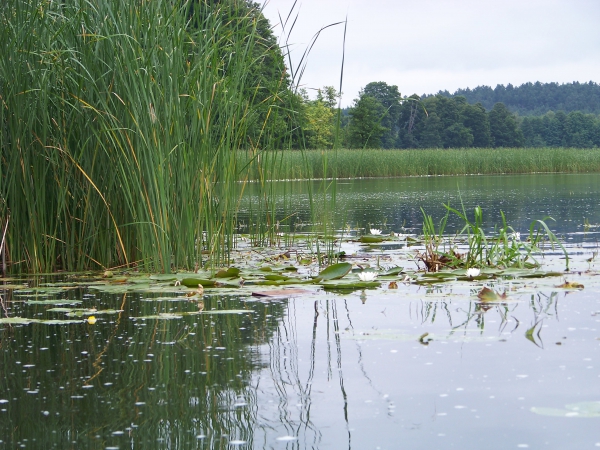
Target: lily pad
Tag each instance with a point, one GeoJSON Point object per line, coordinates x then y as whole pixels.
{"type": "Point", "coordinates": [392, 271]}
{"type": "Point", "coordinates": [194, 282]}
{"type": "Point", "coordinates": [232, 272]}
{"type": "Point", "coordinates": [170, 316]}
{"type": "Point", "coordinates": [488, 295]}
{"type": "Point", "coordinates": [54, 302]}
{"type": "Point", "coordinates": [334, 272]}
{"type": "Point", "coordinates": [580, 410]}
{"type": "Point", "coordinates": [371, 239]}
{"type": "Point", "coordinates": [26, 321]}
{"type": "Point", "coordinates": [16, 320]}
{"type": "Point", "coordinates": [276, 277]}
{"type": "Point", "coordinates": [350, 285]}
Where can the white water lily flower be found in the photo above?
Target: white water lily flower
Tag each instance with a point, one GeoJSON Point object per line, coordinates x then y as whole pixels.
{"type": "Point", "coordinates": [367, 276]}
{"type": "Point", "coordinates": [516, 236]}
{"type": "Point", "coordinates": [375, 231]}
{"type": "Point", "coordinates": [473, 272]}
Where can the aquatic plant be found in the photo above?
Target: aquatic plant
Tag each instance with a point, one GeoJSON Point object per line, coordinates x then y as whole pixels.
{"type": "Point", "coordinates": [501, 250]}
{"type": "Point", "coordinates": [396, 163]}
{"type": "Point", "coordinates": [120, 128]}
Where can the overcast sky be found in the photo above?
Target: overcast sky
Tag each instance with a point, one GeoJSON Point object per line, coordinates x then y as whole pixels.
{"type": "Point", "coordinates": [424, 46]}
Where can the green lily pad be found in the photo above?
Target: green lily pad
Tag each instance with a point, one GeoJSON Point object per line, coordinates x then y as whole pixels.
{"type": "Point", "coordinates": [170, 316]}
{"type": "Point", "coordinates": [194, 282]}
{"type": "Point", "coordinates": [276, 277]}
{"type": "Point", "coordinates": [334, 272]}
{"type": "Point", "coordinates": [350, 285]}
{"type": "Point", "coordinates": [232, 272]}
{"type": "Point", "coordinates": [371, 239]}
{"type": "Point", "coordinates": [581, 410]}
{"type": "Point", "coordinates": [26, 321]}
{"type": "Point", "coordinates": [392, 271]}
{"type": "Point", "coordinates": [16, 320]}
{"type": "Point", "coordinates": [116, 288]}
{"type": "Point", "coordinates": [162, 316]}
{"type": "Point", "coordinates": [287, 282]}
{"type": "Point", "coordinates": [54, 302]}
{"type": "Point", "coordinates": [90, 312]}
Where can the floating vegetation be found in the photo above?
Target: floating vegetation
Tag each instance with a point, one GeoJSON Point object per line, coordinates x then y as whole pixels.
{"type": "Point", "coordinates": [170, 316]}
{"type": "Point", "coordinates": [27, 321]}
{"type": "Point", "coordinates": [570, 285]}
{"type": "Point", "coordinates": [503, 250]}
{"type": "Point", "coordinates": [582, 410]}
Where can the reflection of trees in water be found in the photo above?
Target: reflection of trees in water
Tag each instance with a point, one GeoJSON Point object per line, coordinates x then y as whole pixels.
{"type": "Point", "coordinates": [155, 383]}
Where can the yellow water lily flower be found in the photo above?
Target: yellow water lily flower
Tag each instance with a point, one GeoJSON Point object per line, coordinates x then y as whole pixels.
{"type": "Point", "coordinates": [91, 320]}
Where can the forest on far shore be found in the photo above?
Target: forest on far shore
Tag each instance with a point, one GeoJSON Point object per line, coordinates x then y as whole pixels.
{"type": "Point", "coordinates": [382, 118]}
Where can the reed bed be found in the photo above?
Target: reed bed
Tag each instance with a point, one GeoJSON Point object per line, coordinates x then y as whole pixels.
{"type": "Point", "coordinates": [119, 129]}
{"type": "Point", "coordinates": [394, 163]}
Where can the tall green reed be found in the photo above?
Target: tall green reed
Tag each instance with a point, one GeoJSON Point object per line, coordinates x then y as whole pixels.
{"type": "Point", "coordinates": [417, 162]}
{"type": "Point", "coordinates": [504, 248]}
{"type": "Point", "coordinates": [120, 127]}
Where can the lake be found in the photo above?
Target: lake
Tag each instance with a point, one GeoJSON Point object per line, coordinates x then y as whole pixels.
{"type": "Point", "coordinates": [423, 365]}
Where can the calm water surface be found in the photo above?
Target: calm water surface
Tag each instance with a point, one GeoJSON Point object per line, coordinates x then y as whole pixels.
{"type": "Point", "coordinates": [417, 367]}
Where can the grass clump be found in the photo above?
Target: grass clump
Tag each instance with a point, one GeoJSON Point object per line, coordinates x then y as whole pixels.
{"type": "Point", "coordinates": [502, 250]}
{"type": "Point", "coordinates": [120, 125]}
{"type": "Point", "coordinates": [395, 163]}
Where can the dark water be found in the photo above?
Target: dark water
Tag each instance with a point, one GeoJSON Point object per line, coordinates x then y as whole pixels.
{"type": "Point", "coordinates": [572, 200]}
{"type": "Point", "coordinates": [414, 367]}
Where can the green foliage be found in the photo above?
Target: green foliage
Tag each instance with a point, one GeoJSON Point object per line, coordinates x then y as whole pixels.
{"type": "Point", "coordinates": [502, 250]}
{"type": "Point", "coordinates": [504, 128]}
{"type": "Point", "coordinates": [390, 98]}
{"type": "Point", "coordinates": [319, 125]}
{"type": "Point", "coordinates": [120, 127]}
{"type": "Point", "coordinates": [476, 120]}
{"type": "Point", "coordinates": [365, 129]}
{"type": "Point", "coordinates": [554, 130]}
{"type": "Point", "coordinates": [536, 99]}
{"type": "Point", "coordinates": [452, 122]}
{"type": "Point", "coordinates": [350, 163]}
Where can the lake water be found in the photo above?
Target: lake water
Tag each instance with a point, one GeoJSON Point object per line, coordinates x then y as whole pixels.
{"type": "Point", "coordinates": [421, 366]}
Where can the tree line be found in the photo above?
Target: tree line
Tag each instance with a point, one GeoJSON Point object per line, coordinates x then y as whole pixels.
{"type": "Point", "coordinates": [535, 99]}
{"type": "Point", "coordinates": [381, 118]}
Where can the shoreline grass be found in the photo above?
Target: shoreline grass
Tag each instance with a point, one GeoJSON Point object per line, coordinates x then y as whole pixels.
{"type": "Point", "coordinates": [344, 163]}
{"type": "Point", "coordinates": [118, 132]}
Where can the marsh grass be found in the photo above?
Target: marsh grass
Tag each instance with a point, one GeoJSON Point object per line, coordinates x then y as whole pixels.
{"type": "Point", "coordinates": [120, 125]}
{"type": "Point", "coordinates": [394, 163]}
{"type": "Point", "coordinates": [503, 249]}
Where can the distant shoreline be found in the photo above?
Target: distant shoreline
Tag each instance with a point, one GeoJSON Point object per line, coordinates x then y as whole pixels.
{"type": "Point", "coordinates": [377, 163]}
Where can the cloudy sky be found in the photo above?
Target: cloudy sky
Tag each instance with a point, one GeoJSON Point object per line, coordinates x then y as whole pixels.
{"type": "Point", "coordinates": [424, 46]}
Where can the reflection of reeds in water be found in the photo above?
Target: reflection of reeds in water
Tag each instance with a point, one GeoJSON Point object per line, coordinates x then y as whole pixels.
{"type": "Point", "coordinates": [165, 381]}
{"type": "Point", "coordinates": [463, 320]}
{"type": "Point", "coordinates": [293, 387]}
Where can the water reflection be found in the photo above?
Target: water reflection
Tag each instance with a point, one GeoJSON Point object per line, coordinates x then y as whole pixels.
{"type": "Point", "coordinates": [395, 204]}
{"type": "Point", "coordinates": [354, 370]}
{"type": "Point", "coordinates": [120, 382]}
{"type": "Point", "coordinates": [419, 366]}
